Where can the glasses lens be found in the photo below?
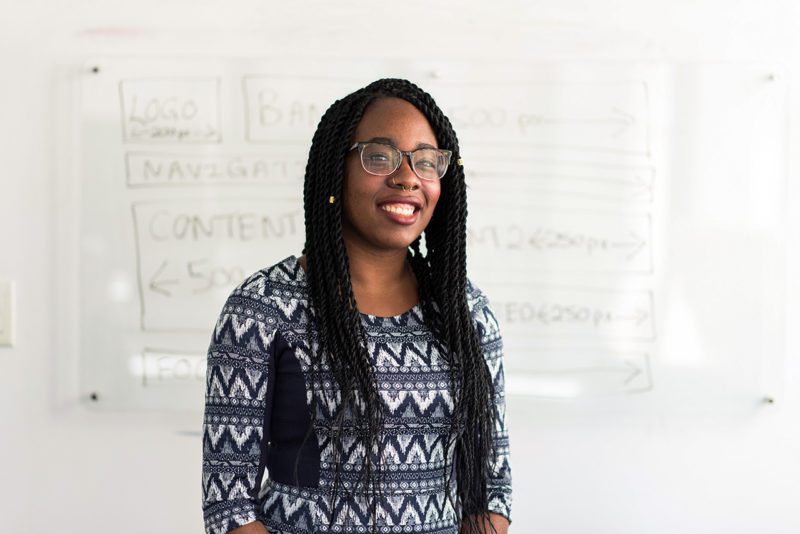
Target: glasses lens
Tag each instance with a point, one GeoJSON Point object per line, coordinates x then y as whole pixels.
{"type": "Point", "coordinates": [429, 163]}
{"type": "Point", "coordinates": [380, 159]}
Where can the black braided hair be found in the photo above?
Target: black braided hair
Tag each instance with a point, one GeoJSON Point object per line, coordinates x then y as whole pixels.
{"type": "Point", "coordinates": [442, 277]}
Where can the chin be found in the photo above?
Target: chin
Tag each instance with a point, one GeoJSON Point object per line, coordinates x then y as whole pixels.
{"type": "Point", "coordinates": [400, 245]}
{"type": "Point", "coordinates": [397, 243]}
{"type": "Point", "coordinates": [393, 239]}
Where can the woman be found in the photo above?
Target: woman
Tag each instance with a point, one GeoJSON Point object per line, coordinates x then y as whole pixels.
{"type": "Point", "coordinates": [362, 344]}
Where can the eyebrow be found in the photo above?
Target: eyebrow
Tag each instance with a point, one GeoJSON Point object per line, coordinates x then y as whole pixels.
{"type": "Point", "coordinates": [392, 142]}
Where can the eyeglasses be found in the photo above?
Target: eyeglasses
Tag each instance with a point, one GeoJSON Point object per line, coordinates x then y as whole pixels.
{"type": "Point", "coordinates": [381, 159]}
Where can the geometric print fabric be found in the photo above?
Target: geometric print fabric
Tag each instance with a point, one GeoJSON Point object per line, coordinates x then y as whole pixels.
{"type": "Point", "coordinates": [270, 309]}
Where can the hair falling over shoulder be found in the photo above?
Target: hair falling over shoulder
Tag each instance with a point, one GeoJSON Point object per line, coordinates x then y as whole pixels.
{"type": "Point", "coordinates": [442, 278]}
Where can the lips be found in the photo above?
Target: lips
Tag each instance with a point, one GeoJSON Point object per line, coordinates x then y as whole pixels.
{"type": "Point", "coordinates": [401, 210]}
{"type": "Point", "coordinates": [400, 202]}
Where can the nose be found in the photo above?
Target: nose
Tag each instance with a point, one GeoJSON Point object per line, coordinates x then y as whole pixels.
{"type": "Point", "coordinates": [405, 176]}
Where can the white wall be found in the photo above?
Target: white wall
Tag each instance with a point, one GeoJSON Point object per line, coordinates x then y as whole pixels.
{"type": "Point", "coordinates": [69, 470]}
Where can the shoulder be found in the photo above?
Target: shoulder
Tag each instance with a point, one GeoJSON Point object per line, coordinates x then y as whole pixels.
{"type": "Point", "coordinates": [277, 288]}
{"type": "Point", "coordinates": [483, 315]}
{"type": "Point", "coordinates": [280, 279]}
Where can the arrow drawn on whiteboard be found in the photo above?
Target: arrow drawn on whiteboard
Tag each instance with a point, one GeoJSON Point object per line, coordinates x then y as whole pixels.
{"type": "Point", "coordinates": [155, 285]}
{"type": "Point", "coordinates": [636, 371]}
{"type": "Point", "coordinates": [637, 245]}
{"type": "Point", "coordinates": [641, 187]}
{"type": "Point", "coordinates": [210, 131]}
{"type": "Point", "coordinates": [629, 121]}
{"type": "Point", "coordinates": [639, 316]}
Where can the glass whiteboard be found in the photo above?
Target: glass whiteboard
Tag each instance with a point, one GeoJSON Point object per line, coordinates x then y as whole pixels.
{"type": "Point", "coordinates": [626, 220]}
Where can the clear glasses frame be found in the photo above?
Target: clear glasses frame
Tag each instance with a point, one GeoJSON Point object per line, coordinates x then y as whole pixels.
{"type": "Point", "coordinates": [440, 171]}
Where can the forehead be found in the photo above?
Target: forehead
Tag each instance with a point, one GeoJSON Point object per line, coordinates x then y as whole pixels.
{"type": "Point", "coordinates": [397, 120]}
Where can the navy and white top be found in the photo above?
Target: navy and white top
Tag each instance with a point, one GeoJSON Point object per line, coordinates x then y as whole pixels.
{"type": "Point", "coordinates": [258, 408]}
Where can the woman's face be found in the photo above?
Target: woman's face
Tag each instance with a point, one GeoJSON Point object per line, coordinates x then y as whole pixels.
{"type": "Point", "coordinates": [375, 209]}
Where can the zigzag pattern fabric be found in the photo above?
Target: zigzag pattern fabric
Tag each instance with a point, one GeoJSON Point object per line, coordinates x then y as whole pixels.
{"type": "Point", "coordinates": [272, 305]}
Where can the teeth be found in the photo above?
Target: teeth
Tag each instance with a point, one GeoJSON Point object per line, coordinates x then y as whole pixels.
{"type": "Point", "coordinates": [401, 209]}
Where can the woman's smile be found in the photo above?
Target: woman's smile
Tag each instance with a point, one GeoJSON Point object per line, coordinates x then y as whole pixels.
{"type": "Point", "coordinates": [401, 210]}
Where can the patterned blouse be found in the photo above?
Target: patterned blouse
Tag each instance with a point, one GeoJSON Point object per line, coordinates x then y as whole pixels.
{"type": "Point", "coordinates": [258, 408]}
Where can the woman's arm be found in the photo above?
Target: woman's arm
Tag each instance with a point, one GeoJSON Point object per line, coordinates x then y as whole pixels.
{"type": "Point", "coordinates": [499, 523]}
{"type": "Point", "coordinates": [239, 388]}
{"type": "Point", "coordinates": [251, 528]}
{"type": "Point", "coordinates": [498, 483]}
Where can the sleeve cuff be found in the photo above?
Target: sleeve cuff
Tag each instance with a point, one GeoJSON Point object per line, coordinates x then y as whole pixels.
{"type": "Point", "coordinates": [500, 504]}
{"type": "Point", "coordinates": [226, 516]}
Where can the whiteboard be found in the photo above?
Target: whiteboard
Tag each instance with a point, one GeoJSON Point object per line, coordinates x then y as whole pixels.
{"type": "Point", "coordinates": [626, 219]}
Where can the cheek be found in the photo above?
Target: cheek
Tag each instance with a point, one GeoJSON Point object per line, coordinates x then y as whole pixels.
{"type": "Point", "coordinates": [433, 195]}
{"type": "Point", "coordinates": [347, 203]}
{"type": "Point", "coordinates": [358, 194]}
{"type": "Point", "coordinates": [349, 193]}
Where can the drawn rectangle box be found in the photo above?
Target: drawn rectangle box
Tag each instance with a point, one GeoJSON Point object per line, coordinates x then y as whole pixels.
{"type": "Point", "coordinates": [542, 311]}
{"type": "Point", "coordinates": [171, 110]}
{"type": "Point", "coordinates": [281, 109]}
{"type": "Point", "coordinates": [190, 253]}
{"type": "Point", "coordinates": [572, 373]}
{"type": "Point", "coordinates": [524, 178]}
{"type": "Point", "coordinates": [166, 367]}
{"type": "Point", "coordinates": [163, 169]}
{"type": "Point", "coordinates": [561, 240]}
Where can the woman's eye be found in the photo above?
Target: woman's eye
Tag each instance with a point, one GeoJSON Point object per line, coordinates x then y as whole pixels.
{"type": "Point", "coordinates": [426, 164]}
{"type": "Point", "coordinates": [377, 157]}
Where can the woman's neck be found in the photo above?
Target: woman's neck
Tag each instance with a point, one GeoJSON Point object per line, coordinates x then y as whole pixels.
{"type": "Point", "coordinates": [371, 270]}
{"type": "Point", "coordinates": [383, 284]}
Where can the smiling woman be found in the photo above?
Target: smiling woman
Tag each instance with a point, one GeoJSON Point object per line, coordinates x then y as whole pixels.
{"type": "Point", "coordinates": [384, 214]}
{"type": "Point", "coordinates": [359, 387]}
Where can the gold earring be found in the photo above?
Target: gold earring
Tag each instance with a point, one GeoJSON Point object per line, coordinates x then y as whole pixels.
{"type": "Point", "coordinates": [332, 199]}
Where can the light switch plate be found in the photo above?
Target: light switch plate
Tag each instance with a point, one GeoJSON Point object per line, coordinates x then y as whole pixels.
{"type": "Point", "coordinates": [6, 313]}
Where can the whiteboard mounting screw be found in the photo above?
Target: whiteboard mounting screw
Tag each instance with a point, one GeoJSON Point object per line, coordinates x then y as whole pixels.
{"type": "Point", "coordinates": [95, 70]}
{"type": "Point", "coordinates": [94, 396]}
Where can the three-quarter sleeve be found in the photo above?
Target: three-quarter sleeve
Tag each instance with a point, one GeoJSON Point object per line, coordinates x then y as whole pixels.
{"type": "Point", "coordinates": [237, 409]}
{"type": "Point", "coordinates": [499, 482]}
